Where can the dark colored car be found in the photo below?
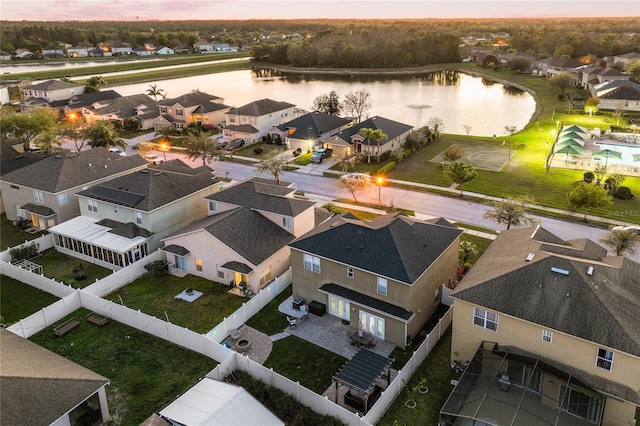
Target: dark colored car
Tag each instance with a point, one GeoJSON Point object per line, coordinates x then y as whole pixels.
{"type": "Point", "coordinates": [235, 144]}
{"type": "Point", "coordinates": [321, 154]}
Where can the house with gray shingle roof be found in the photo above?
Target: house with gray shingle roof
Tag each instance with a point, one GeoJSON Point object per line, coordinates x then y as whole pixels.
{"type": "Point", "coordinates": [351, 141]}
{"type": "Point", "coordinates": [564, 312]}
{"type": "Point", "coordinates": [243, 242]}
{"type": "Point", "coordinates": [309, 131]}
{"type": "Point", "coordinates": [49, 91]}
{"type": "Point", "coordinates": [40, 387]}
{"type": "Point", "coordinates": [125, 219]}
{"type": "Point", "coordinates": [195, 107]}
{"type": "Point", "coordinates": [139, 107]}
{"type": "Point", "coordinates": [44, 192]}
{"type": "Point", "coordinates": [384, 276]}
{"type": "Point", "coordinates": [253, 120]}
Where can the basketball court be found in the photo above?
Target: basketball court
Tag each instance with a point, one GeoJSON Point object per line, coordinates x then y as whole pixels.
{"type": "Point", "coordinates": [482, 157]}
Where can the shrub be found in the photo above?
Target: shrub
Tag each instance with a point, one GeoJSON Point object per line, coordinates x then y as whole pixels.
{"type": "Point", "coordinates": [387, 167]}
{"type": "Point", "coordinates": [560, 97]}
{"type": "Point", "coordinates": [24, 252]}
{"type": "Point", "coordinates": [258, 150]}
{"type": "Point", "coordinates": [157, 268]}
{"type": "Point", "coordinates": [588, 177]}
{"type": "Point", "coordinates": [623, 193]}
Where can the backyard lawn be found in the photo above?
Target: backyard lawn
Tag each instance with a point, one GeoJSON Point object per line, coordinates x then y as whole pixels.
{"type": "Point", "coordinates": [61, 267]}
{"type": "Point", "coordinates": [269, 320]}
{"type": "Point", "coordinates": [146, 372]}
{"type": "Point", "coordinates": [299, 360]}
{"type": "Point", "coordinates": [19, 300]}
{"type": "Point", "coordinates": [10, 236]}
{"type": "Point", "coordinates": [156, 296]}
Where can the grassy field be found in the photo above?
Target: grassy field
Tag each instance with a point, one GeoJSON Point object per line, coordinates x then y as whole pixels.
{"type": "Point", "coordinates": [156, 296]}
{"type": "Point", "coordinates": [10, 236]}
{"type": "Point", "coordinates": [269, 320]}
{"type": "Point", "coordinates": [60, 267]}
{"type": "Point", "coordinates": [146, 372]}
{"type": "Point", "coordinates": [20, 300]}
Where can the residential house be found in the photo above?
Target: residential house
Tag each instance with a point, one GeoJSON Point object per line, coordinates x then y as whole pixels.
{"type": "Point", "coordinates": [24, 54]}
{"type": "Point", "coordinates": [552, 67]}
{"type": "Point", "coordinates": [243, 241]}
{"type": "Point", "coordinates": [351, 141]}
{"type": "Point", "coordinates": [203, 46]}
{"type": "Point", "coordinates": [139, 107]}
{"type": "Point", "coordinates": [52, 51]}
{"type": "Point", "coordinates": [52, 90]}
{"type": "Point", "coordinates": [121, 49]}
{"type": "Point", "coordinates": [626, 58]}
{"type": "Point", "coordinates": [308, 131]}
{"type": "Point", "coordinates": [384, 276]}
{"type": "Point", "coordinates": [141, 51]}
{"type": "Point", "coordinates": [86, 100]}
{"type": "Point", "coordinates": [223, 47]}
{"type": "Point", "coordinates": [78, 51]}
{"type": "Point", "coordinates": [5, 98]}
{"type": "Point", "coordinates": [601, 89]}
{"type": "Point", "coordinates": [44, 192]}
{"type": "Point", "coordinates": [552, 326]}
{"type": "Point", "coordinates": [11, 159]}
{"type": "Point", "coordinates": [101, 51]}
{"type": "Point", "coordinates": [195, 107]}
{"type": "Point", "coordinates": [40, 387]}
{"type": "Point", "coordinates": [592, 75]}
{"type": "Point", "coordinates": [253, 120]}
{"type": "Point", "coordinates": [623, 98]}
{"type": "Point", "coordinates": [185, 48]}
{"type": "Point", "coordinates": [125, 219]}
{"type": "Point", "coordinates": [5, 56]}
{"type": "Point", "coordinates": [163, 50]}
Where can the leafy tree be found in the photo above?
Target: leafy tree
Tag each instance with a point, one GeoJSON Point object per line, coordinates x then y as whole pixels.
{"type": "Point", "coordinates": [95, 83]}
{"type": "Point", "coordinates": [274, 165]}
{"type": "Point", "coordinates": [599, 171]}
{"type": "Point", "coordinates": [453, 154]}
{"type": "Point", "coordinates": [585, 196]}
{"type": "Point", "coordinates": [591, 105]}
{"type": "Point", "coordinates": [562, 81]}
{"type": "Point", "coordinates": [154, 92]}
{"type": "Point", "coordinates": [633, 68]}
{"type": "Point", "coordinates": [467, 252]}
{"type": "Point", "coordinates": [460, 173]}
{"type": "Point", "coordinates": [26, 126]}
{"type": "Point", "coordinates": [437, 123]}
{"type": "Point", "coordinates": [347, 160]}
{"type": "Point", "coordinates": [518, 64]}
{"type": "Point", "coordinates": [104, 134]}
{"type": "Point", "coordinates": [200, 146]}
{"type": "Point", "coordinates": [467, 128]}
{"type": "Point", "coordinates": [74, 132]}
{"type": "Point", "coordinates": [621, 241]}
{"type": "Point", "coordinates": [355, 185]}
{"type": "Point", "coordinates": [329, 104]}
{"type": "Point", "coordinates": [373, 135]}
{"type": "Point", "coordinates": [490, 61]}
{"type": "Point", "coordinates": [613, 182]}
{"type": "Point", "coordinates": [47, 141]}
{"type": "Point", "coordinates": [511, 212]}
{"type": "Point", "coordinates": [357, 103]}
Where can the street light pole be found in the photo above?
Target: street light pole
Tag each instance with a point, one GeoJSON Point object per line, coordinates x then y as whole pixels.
{"type": "Point", "coordinates": [379, 181]}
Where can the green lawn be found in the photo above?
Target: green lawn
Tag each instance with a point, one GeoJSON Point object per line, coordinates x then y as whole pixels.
{"type": "Point", "coordinates": [146, 372]}
{"type": "Point", "coordinates": [305, 362]}
{"type": "Point", "coordinates": [435, 374]}
{"type": "Point", "coordinates": [269, 320]}
{"type": "Point", "coordinates": [10, 236]}
{"type": "Point", "coordinates": [268, 150]}
{"type": "Point", "coordinates": [60, 267]}
{"type": "Point", "coordinates": [156, 296]}
{"type": "Point", "coordinates": [19, 300]}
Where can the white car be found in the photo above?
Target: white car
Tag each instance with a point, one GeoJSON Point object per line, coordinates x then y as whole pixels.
{"type": "Point", "coordinates": [366, 177]}
{"type": "Point", "coordinates": [153, 159]}
{"type": "Point", "coordinates": [635, 228]}
{"type": "Point", "coordinates": [120, 152]}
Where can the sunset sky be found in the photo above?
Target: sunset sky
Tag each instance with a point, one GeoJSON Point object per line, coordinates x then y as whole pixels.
{"type": "Point", "coordinates": [131, 10]}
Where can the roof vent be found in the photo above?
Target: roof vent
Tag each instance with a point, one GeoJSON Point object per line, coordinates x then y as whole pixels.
{"type": "Point", "coordinates": [362, 247]}
{"type": "Point", "coordinates": [144, 171]}
{"type": "Point", "coordinates": [58, 156]}
{"type": "Point", "coordinates": [530, 257]}
{"type": "Point", "coordinates": [590, 270]}
{"type": "Point", "coordinates": [89, 164]}
{"type": "Point", "coordinates": [568, 294]}
{"type": "Point", "coordinates": [157, 173]}
{"type": "Point", "coordinates": [559, 271]}
{"type": "Point", "coordinates": [105, 166]}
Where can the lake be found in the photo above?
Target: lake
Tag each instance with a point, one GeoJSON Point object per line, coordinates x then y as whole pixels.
{"type": "Point", "coordinates": [458, 99]}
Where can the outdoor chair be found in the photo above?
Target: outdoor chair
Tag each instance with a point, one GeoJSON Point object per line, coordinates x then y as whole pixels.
{"type": "Point", "coordinates": [304, 309]}
{"type": "Point", "coordinates": [292, 322]}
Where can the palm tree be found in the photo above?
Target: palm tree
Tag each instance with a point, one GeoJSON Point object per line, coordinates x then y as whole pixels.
{"type": "Point", "coordinates": [166, 132]}
{"type": "Point", "coordinates": [375, 135]}
{"type": "Point", "coordinates": [103, 133]}
{"type": "Point", "coordinates": [97, 81]}
{"type": "Point", "coordinates": [47, 141]}
{"type": "Point", "coordinates": [154, 91]}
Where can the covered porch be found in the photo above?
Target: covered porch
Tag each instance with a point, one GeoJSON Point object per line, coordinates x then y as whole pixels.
{"type": "Point", "coordinates": [41, 217]}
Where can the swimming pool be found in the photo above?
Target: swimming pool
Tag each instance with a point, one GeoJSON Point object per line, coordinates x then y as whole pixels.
{"type": "Point", "coordinates": [628, 152]}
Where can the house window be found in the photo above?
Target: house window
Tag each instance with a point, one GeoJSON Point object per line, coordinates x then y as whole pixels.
{"type": "Point", "coordinates": [221, 275]}
{"type": "Point", "coordinates": [232, 119]}
{"type": "Point", "coordinates": [287, 222]}
{"type": "Point", "coordinates": [311, 263]}
{"type": "Point", "coordinates": [37, 196]}
{"type": "Point", "coordinates": [14, 187]}
{"type": "Point", "coordinates": [350, 272]}
{"type": "Point", "coordinates": [62, 199]}
{"type": "Point", "coordinates": [485, 319]}
{"type": "Point", "coordinates": [92, 206]}
{"type": "Point", "coordinates": [382, 286]}
{"type": "Point", "coordinates": [604, 359]}
{"type": "Point", "coordinates": [198, 264]}
{"type": "Point", "coordinates": [372, 324]}
{"type": "Point", "coordinates": [163, 110]}
{"type": "Point", "coordinates": [588, 407]}
{"type": "Point", "coordinates": [138, 218]}
{"type": "Point", "coordinates": [179, 113]}
{"type": "Point", "coordinates": [339, 307]}
{"type": "Point", "coordinates": [213, 206]}
{"type": "Point", "coordinates": [547, 336]}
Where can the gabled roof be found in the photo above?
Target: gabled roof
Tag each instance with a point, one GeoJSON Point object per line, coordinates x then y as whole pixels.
{"type": "Point", "coordinates": [52, 47]}
{"type": "Point", "coordinates": [194, 99]}
{"type": "Point", "coordinates": [88, 99]}
{"type": "Point", "coordinates": [11, 160]}
{"type": "Point", "coordinates": [557, 289]}
{"type": "Point", "coordinates": [564, 63]}
{"type": "Point", "coordinates": [242, 128]}
{"type": "Point", "coordinates": [67, 170]}
{"type": "Point", "coordinates": [124, 106]}
{"type": "Point", "coordinates": [40, 386]}
{"type": "Point", "coordinates": [313, 125]}
{"type": "Point", "coordinates": [394, 246]}
{"type": "Point", "coordinates": [50, 85]}
{"type": "Point", "coordinates": [630, 55]}
{"type": "Point", "coordinates": [264, 197]}
{"type": "Point", "coordinates": [612, 72]}
{"type": "Point", "coordinates": [260, 108]}
{"type": "Point", "coordinates": [391, 128]}
{"type": "Point", "coordinates": [622, 93]}
{"type": "Point", "coordinates": [151, 188]}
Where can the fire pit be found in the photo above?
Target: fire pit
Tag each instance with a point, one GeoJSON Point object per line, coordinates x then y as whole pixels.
{"type": "Point", "coordinates": [243, 345]}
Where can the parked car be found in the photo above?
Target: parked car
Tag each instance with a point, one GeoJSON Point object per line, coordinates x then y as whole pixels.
{"type": "Point", "coordinates": [635, 228]}
{"type": "Point", "coordinates": [153, 159]}
{"type": "Point", "coordinates": [321, 154]}
{"type": "Point", "coordinates": [222, 143]}
{"type": "Point", "coordinates": [365, 177]}
{"type": "Point", "coordinates": [235, 144]}
{"type": "Point", "coordinates": [120, 152]}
